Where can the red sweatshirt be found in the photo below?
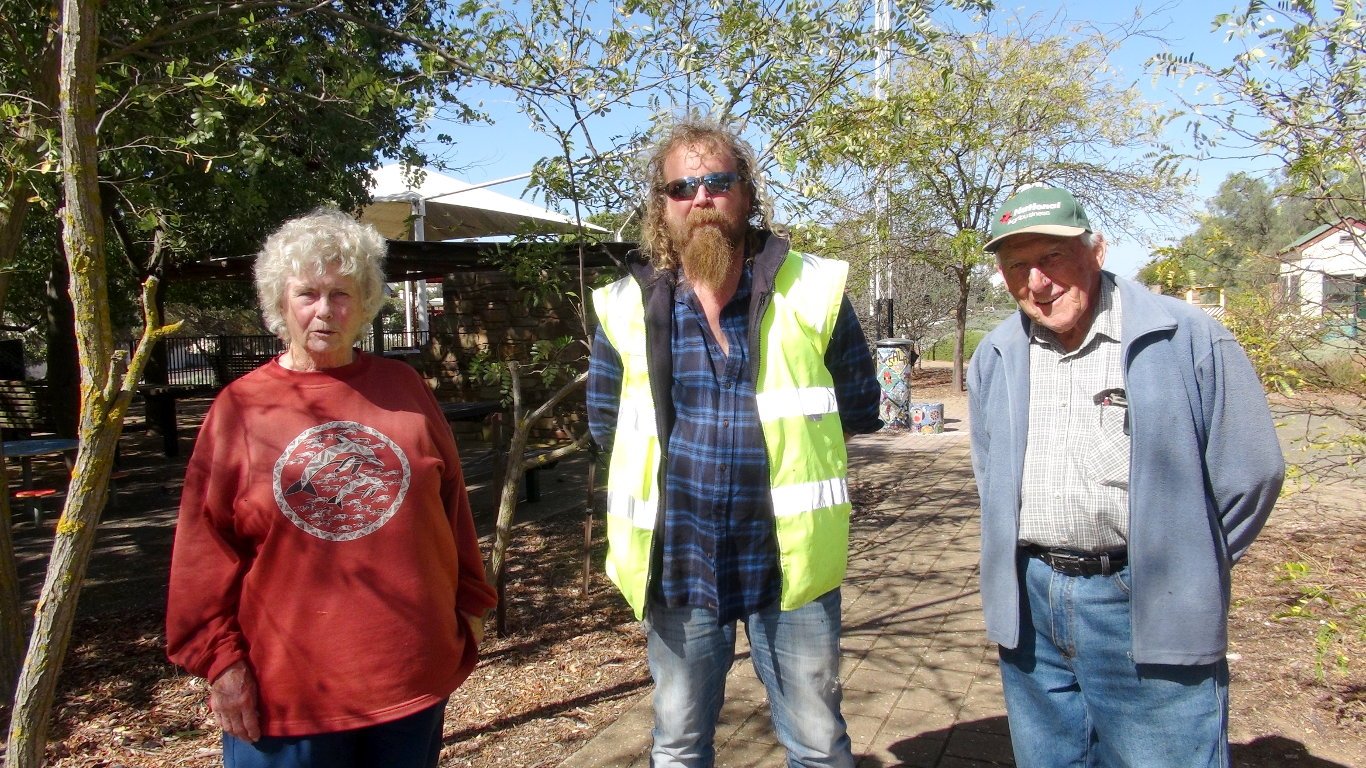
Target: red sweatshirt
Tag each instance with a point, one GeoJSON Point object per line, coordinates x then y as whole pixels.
{"type": "Point", "coordinates": [325, 536]}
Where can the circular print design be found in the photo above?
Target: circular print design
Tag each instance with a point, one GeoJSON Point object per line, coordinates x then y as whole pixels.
{"type": "Point", "coordinates": [341, 480]}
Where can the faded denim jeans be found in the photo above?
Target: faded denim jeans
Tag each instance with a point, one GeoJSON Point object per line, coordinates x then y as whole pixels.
{"type": "Point", "coordinates": [796, 654]}
{"type": "Point", "coordinates": [1076, 698]}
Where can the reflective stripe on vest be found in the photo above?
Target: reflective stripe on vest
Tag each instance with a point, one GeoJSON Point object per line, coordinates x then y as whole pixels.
{"type": "Point", "coordinates": [800, 421]}
{"type": "Point", "coordinates": [802, 429]}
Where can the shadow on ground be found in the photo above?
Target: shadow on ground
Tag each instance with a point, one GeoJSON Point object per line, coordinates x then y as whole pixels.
{"type": "Point", "coordinates": [986, 742]}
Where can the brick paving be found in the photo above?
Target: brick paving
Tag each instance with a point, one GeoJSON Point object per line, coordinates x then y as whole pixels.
{"type": "Point", "coordinates": [920, 681]}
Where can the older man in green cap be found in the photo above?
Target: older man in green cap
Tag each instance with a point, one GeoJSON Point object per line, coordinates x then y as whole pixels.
{"type": "Point", "coordinates": [1125, 459]}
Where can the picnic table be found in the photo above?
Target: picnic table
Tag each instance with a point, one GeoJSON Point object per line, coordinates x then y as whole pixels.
{"type": "Point", "coordinates": [472, 410]}
{"type": "Point", "coordinates": [480, 410]}
{"type": "Point", "coordinates": [27, 450]}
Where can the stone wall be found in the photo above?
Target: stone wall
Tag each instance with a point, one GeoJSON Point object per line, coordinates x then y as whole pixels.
{"type": "Point", "coordinates": [484, 311]}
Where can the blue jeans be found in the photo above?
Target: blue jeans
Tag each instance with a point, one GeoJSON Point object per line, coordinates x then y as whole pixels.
{"type": "Point", "coordinates": [409, 742]}
{"type": "Point", "coordinates": [797, 656]}
{"type": "Point", "coordinates": [1075, 697]}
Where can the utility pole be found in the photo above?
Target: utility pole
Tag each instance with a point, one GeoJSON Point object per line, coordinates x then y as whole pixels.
{"type": "Point", "coordinates": [881, 308]}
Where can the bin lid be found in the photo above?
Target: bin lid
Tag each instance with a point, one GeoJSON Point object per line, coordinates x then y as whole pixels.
{"type": "Point", "coordinates": [896, 342]}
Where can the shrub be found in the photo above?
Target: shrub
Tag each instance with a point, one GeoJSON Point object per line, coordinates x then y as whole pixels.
{"type": "Point", "coordinates": [942, 348]}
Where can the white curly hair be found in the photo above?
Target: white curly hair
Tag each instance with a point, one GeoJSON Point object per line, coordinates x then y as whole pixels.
{"type": "Point", "coordinates": [309, 245]}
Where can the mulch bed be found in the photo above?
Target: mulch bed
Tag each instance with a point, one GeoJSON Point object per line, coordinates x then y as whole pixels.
{"type": "Point", "coordinates": [568, 666]}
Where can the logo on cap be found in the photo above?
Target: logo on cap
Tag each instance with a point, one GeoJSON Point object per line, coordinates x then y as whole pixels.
{"type": "Point", "coordinates": [1039, 209]}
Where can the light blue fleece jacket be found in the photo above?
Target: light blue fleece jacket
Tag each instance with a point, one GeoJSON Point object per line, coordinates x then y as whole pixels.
{"type": "Point", "coordinates": [1205, 470]}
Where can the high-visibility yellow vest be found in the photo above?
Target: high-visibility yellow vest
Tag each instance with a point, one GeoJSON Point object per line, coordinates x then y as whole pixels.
{"type": "Point", "coordinates": [801, 426]}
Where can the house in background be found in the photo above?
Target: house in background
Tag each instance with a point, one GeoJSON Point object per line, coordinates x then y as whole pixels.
{"type": "Point", "coordinates": [1325, 270]}
{"type": "Point", "coordinates": [1210, 298]}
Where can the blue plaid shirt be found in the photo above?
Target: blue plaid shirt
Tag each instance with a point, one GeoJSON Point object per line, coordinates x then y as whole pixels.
{"type": "Point", "coordinates": [717, 545]}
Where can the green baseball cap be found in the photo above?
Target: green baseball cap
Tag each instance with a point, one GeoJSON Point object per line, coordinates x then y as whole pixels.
{"type": "Point", "coordinates": [1038, 208]}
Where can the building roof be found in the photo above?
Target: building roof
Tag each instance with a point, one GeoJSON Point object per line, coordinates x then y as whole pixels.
{"type": "Point", "coordinates": [426, 205]}
{"type": "Point", "coordinates": [1319, 232]}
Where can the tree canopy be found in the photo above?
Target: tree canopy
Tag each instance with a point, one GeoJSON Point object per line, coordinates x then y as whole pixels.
{"type": "Point", "coordinates": [955, 136]}
{"type": "Point", "coordinates": [1294, 90]}
{"type": "Point", "coordinates": [1234, 245]}
{"type": "Point", "coordinates": [215, 122]}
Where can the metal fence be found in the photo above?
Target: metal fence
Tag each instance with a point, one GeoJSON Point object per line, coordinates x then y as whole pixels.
{"type": "Point", "coordinates": [212, 361]}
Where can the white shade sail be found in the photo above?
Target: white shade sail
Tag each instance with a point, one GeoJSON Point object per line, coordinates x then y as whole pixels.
{"type": "Point", "coordinates": [450, 209]}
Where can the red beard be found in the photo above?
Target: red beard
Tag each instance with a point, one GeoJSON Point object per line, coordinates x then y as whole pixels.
{"type": "Point", "coordinates": [707, 241]}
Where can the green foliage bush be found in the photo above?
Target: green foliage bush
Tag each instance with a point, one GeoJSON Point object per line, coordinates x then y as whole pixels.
{"type": "Point", "coordinates": [1341, 371]}
{"type": "Point", "coordinates": [1337, 613]}
{"type": "Point", "coordinates": [942, 348]}
{"type": "Point", "coordinates": [1273, 337]}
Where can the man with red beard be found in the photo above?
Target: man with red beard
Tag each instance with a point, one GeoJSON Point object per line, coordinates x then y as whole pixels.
{"type": "Point", "coordinates": [726, 373]}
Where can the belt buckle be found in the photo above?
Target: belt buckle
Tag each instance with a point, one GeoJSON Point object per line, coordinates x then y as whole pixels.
{"type": "Point", "coordinates": [1067, 565]}
{"type": "Point", "coordinates": [1078, 565]}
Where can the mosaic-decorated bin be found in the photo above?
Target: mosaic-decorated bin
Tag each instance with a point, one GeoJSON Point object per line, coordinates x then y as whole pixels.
{"type": "Point", "coordinates": [894, 360]}
{"type": "Point", "coordinates": [927, 418]}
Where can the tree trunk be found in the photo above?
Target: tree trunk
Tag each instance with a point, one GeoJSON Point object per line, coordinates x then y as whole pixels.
{"type": "Point", "coordinates": [104, 391]}
{"type": "Point", "coordinates": [13, 213]}
{"type": "Point", "coordinates": [960, 318]}
{"type": "Point", "coordinates": [591, 488]}
{"type": "Point", "coordinates": [516, 467]}
{"type": "Point", "coordinates": [63, 359]}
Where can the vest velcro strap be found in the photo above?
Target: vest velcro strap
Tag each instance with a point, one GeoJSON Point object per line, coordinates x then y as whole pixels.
{"type": "Point", "coordinates": [636, 419]}
{"type": "Point", "coordinates": [804, 497]}
{"type": "Point", "coordinates": [802, 401]}
{"type": "Point", "coordinates": [639, 512]}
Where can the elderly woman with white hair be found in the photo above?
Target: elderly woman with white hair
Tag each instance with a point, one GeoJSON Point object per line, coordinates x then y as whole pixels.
{"type": "Point", "coordinates": [326, 578]}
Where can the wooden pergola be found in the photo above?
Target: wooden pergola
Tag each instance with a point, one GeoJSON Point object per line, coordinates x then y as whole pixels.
{"type": "Point", "coordinates": [414, 260]}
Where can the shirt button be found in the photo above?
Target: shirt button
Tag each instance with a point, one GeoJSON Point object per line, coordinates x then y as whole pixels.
{"type": "Point", "coordinates": [725, 422]}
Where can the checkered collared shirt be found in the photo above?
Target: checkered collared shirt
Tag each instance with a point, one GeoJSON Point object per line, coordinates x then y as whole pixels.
{"type": "Point", "coordinates": [1075, 490]}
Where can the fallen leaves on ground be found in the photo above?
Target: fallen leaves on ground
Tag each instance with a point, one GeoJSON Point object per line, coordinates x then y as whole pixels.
{"type": "Point", "coordinates": [570, 664]}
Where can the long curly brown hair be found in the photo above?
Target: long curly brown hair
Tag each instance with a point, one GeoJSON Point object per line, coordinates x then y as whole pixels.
{"type": "Point", "coordinates": [694, 130]}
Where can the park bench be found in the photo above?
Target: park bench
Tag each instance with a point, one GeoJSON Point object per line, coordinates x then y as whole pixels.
{"type": "Point", "coordinates": [24, 409]}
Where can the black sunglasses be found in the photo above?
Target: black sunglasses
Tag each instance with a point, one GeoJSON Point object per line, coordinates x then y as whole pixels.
{"type": "Point", "coordinates": [685, 188]}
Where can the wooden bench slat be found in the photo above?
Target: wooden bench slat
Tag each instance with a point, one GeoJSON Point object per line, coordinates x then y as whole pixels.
{"type": "Point", "coordinates": [23, 407]}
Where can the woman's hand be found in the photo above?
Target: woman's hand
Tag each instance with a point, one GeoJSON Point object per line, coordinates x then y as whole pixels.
{"type": "Point", "coordinates": [232, 697]}
{"type": "Point", "coordinates": [476, 627]}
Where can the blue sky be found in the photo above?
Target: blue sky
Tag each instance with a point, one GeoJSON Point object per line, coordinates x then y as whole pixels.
{"type": "Point", "coordinates": [510, 147]}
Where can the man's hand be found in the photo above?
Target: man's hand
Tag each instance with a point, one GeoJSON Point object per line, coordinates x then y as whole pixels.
{"type": "Point", "coordinates": [232, 697]}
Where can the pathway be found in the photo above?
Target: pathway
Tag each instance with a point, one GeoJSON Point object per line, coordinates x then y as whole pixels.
{"type": "Point", "coordinates": [920, 680]}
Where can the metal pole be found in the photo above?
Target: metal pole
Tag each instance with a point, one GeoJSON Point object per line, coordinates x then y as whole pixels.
{"type": "Point", "coordinates": [882, 24]}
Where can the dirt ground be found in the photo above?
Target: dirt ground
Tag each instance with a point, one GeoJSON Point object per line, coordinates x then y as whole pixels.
{"type": "Point", "coordinates": [570, 664]}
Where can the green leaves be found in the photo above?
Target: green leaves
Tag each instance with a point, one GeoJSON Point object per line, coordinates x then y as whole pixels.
{"type": "Point", "coordinates": [218, 121]}
{"type": "Point", "coordinates": [1299, 77]}
{"type": "Point", "coordinates": [1338, 614]}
